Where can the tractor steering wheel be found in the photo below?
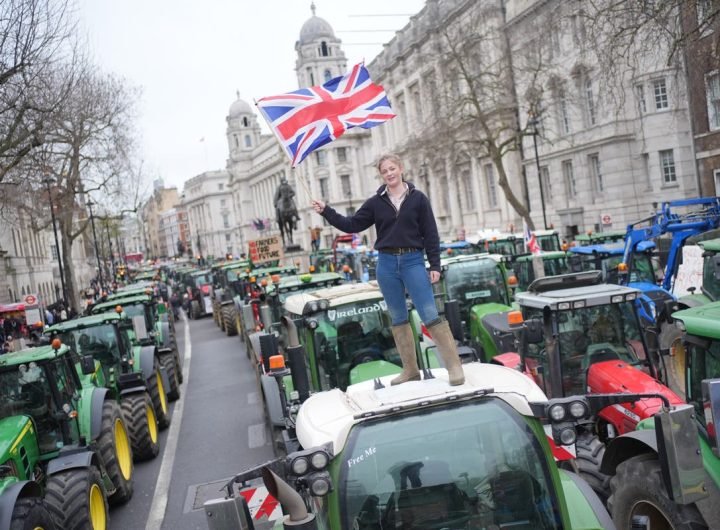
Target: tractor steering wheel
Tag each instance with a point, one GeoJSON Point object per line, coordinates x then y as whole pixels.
{"type": "Point", "coordinates": [365, 355]}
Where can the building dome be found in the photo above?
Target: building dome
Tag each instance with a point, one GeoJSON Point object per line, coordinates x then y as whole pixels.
{"type": "Point", "coordinates": [239, 107]}
{"type": "Point", "coordinates": [315, 28]}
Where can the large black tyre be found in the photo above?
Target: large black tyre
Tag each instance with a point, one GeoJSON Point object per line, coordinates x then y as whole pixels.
{"type": "Point", "coordinates": [76, 499]}
{"type": "Point", "coordinates": [31, 513]}
{"type": "Point", "coordinates": [167, 361]}
{"type": "Point", "coordinates": [228, 315]}
{"type": "Point", "coordinates": [217, 317]}
{"type": "Point", "coordinates": [142, 425]}
{"type": "Point", "coordinates": [590, 451]}
{"type": "Point", "coordinates": [115, 451]}
{"type": "Point", "coordinates": [638, 489]}
{"type": "Point", "coordinates": [178, 364]}
{"type": "Point", "coordinates": [158, 395]}
{"type": "Point", "coordinates": [195, 309]}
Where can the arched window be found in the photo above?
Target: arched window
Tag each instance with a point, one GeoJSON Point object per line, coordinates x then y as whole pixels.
{"type": "Point", "coordinates": [248, 141]}
{"type": "Point", "coordinates": [327, 75]}
{"type": "Point", "coordinates": [245, 122]}
{"type": "Point", "coordinates": [324, 52]}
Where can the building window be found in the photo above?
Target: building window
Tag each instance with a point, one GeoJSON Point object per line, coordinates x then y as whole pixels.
{"type": "Point", "coordinates": [545, 182]}
{"type": "Point", "coordinates": [311, 77]}
{"type": "Point", "coordinates": [712, 90]}
{"type": "Point", "coordinates": [468, 190]}
{"type": "Point", "coordinates": [246, 123]}
{"type": "Point", "coordinates": [321, 158]}
{"type": "Point", "coordinates": [640, 97]}
{"type": "Point", "coordinates": [226, 220]}
{"type": "Point", "coordinates": [221, 187]}
{"type": "Point", "coordinates": [222, 203]}
{"type": "Point", "coordinates": [569, 177]}
{"type": "Point", "coordinates": [416, 103]}
{"type": "Point", "coordinates": [237, 142]}
{"type": "Point", "coordinates": [716, 178]}
{"type": "Point", "coordinates": [661, 96]}
{"type": "Point", "coordinates": [667, 164]}
{"type": "Point", "coordinates": [327, 76]}
{"type": "Point", "coordinates": [54, 252]}
{"type": "Point", "coordinates": [345, 183]}
{"type": "Point", "coordinates": [227, 238]}
{"type": "Point", "coordinates": [595, 172]}
{"type": "Point", "coordinates": [323, 186]}
{"type": "Point", "coordinates": [563, 115]}
{"type": "Point", "coordinates": [341, 153]}
{"type": "Point", "coordinates": [248, 141]}
{"type": "Point", "coordinates": [590, 102]}
{"type": "Point", "coordinates": [491, 185]}
{"type": "Point", "coordinates": [705, 16]}
{"type": "Point", "coordinates": [324, 52]}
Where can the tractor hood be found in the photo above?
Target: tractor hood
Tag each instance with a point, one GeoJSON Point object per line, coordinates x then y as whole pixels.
{"type": "Point", "coordinates": [619, 377]}
{"type": "Point", "coordinates": [12, 430]}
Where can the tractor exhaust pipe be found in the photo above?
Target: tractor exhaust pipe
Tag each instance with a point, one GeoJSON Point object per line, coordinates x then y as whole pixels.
{"type": "Point", "coordinates": [298, 517]}
{"type": "Point", "coordinates": [298, 371]}
{"type": "Point", "coordinates": [291, 328]}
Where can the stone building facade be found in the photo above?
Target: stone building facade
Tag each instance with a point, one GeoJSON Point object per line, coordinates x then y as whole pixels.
{"type": "Point", "coordinates": [210, 213]}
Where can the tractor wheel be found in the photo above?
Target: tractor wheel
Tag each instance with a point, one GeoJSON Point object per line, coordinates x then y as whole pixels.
{"type": "Point", "coordinates": [76, 499]}
{"type": "Point", "coordinates": [115, 451]}
{"type": "Point", "coordinates": [167, 361]}
{"type": "Point", "coordinates": [590, 451]}
{"type": "Point", "coordinates": [158, 395]}
{"type": "Point", "coordinates": [216, 312]}
{"type": "Point", "coordinates": [31, 513]}
{"type": "Point", "coordinates": [229, 321]}
{"type": "Point", "coordinates": [195, 309]}
{"type": "Point", "coordinates": [671, 339]}
{"type": "Point", "coordinates": [142, 425]}
{"type": "Point", "coordinates": [637, 489]}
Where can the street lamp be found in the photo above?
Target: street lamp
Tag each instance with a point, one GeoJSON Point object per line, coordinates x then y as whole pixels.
{"type": "Point", "coordinates": [110, 248]}
{"type": "Point", "coordinates": [533, 122]}
{"type": "Point", "coordinates": [47, 181]}
{"type": "Point", "coordinates": [90, 204]}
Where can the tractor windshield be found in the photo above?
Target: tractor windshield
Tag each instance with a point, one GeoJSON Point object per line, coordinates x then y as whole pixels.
{"type": "Point", "coordinates": [711, 282]}
{"type": "Point", "coordinates": [641, 270]}
{"type": "Point", "coordinates": [507, 247]}
{"type": "Point", "coordinates": [526, 274]}
{"type": "Point", "coordinates": [202, 279]}
{"type": "Point", "coordinates": [590, 335]}
{"type": "Point", "coordinates": [350, 335]}
{"type": "Point", "coordinates": [25, 390]}
{"type": "Point", "coordinates": [142, 310]}
{"type": "Point", "coordinates": [704, 364]}
{"type": "Point", "coordinates": [99, 341]}
{"type": "Point", "coordinates": [548, 242]}
{"type": "Point", "coordinates": [475, 282]}
{"type": "Point", "coordinates": [488, 471]}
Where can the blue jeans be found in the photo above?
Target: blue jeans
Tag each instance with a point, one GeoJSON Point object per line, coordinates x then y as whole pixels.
{"type": "Point", "coordinates": [406, 272]}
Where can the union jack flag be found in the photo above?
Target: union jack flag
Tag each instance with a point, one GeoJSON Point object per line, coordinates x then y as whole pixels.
{"type": "Point", "coordinates": [309, 118]}
{"type": "Point", "coordinates": [531, 244]}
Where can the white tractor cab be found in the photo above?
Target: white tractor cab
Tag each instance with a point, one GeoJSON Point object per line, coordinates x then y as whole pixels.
{"type": "Point", "coordinates": [421, 455]}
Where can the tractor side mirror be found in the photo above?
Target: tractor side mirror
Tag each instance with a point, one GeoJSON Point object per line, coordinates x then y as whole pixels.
{"type": "Point", "coordinates": [138, 322]}
{"type": "Point", "coordinates": [680, 458]}
{"type": "Point", "coordinates": [534, 330]}
{"type": "Point", "coordinates": [87, 364]}
{"type": "Point", "coordinates": [711, 410]}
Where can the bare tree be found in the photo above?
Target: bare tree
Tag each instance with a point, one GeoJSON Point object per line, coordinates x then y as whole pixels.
{"type": "Point", "coordinates": [35, 37]}
{"type": "Point", "coordinates": [477, 109]}
{"type": "Point", "coordinates": [88, 149]}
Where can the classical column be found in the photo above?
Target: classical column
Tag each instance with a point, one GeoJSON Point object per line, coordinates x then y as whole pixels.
{"type": "Point", "coordinates": [454, 197]}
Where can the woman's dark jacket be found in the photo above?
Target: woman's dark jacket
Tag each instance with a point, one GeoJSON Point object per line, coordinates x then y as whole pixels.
{"type": "Point", "coordinates": [413, 225]}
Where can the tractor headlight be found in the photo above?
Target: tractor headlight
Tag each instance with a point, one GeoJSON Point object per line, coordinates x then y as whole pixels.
{"type": "Point", "coordinates": [319, 460]}
{"type": "Point", "coordinates": [324, 304]}
{"type": "Point", "coordinates": [578, 409]}
{"type": "Point", "coordinates": [616, 299]}
{"type": "Point", "coordinates": [563, 305]}
{"type": "Point", "coordinates": [630, 297]}
{"type": "Point", "coordinates": [314, 306]}
{"type": "Point", "coordinates": [579, 304]}
{"type": "Point", "coordinates": [319, 485]}
{"type": "Point", "coordinates": [312, 323]}
{"type": "Point", "coordinates": [567, 436]}
{"type": "Point", "coordinates": [299, 466]}
{"type": "Point", "coordinates": [557, 412]}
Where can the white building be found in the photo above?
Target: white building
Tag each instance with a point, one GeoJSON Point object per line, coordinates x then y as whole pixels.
{"type": "Point", "coordinates": [211, 219]}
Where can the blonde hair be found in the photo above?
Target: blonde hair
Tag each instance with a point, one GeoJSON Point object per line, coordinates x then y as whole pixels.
{"type": "Point", "coordinates": [392, 157]}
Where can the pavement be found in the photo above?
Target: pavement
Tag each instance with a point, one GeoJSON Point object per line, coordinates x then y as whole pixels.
{"type": "Point", "coordinates": [218, 429]}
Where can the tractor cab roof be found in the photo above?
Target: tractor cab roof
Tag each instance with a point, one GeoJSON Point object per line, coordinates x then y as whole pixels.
{"type": "Point", "coordinates": [545, 255]}
{"type": "Point", "coordinates": [321, 299]}
{"type": "Point", "coordinates": [41, 353]}
{"type": "Point", "coordinates": [711, 245]}
{"type": "Point", "coordinates": [612, 249]}
{"type": "Point", "coordinates": [449, 261]}
{"type": "Point", "coordinates": [574, 291]}
{"type": "Point", "coordinates": [701, 321]}
{"type": "Point", "coordinates": [110, 305]}
{"type": "Point", "coordinates": [329, 416]}
{"type": "Point", "coordinates": [84, 322]}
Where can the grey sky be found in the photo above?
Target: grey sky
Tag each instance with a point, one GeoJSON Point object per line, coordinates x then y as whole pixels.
{"type": "Point", "coordinates": [190, 56]}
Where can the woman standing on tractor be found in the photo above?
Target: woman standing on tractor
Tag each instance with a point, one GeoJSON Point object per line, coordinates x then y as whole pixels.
{"type": "Point", "coordinates": [406, 227]}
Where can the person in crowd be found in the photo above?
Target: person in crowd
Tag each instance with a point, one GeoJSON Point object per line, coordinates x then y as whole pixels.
{"type": "Point", "coordinates": [405, 227]}
{"type": "Point", "coordinates": [63, 314]}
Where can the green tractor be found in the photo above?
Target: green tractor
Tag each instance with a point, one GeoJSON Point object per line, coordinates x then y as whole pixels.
{"type": "Point", "coordinates": [64, 446]}
{"type": "Point", "coordinates": [224, 278]}
{"type": "Point", "coordinates": [710, 289]}
{"type": "Point", "coordinates": [483, 288]}
{"type": "Point", "coordinates": [667, 471]}
{"type": "Point", "coordinates": [156, 332]}
{"type": "Point", "coordinates": [332, 337]}
{"type": "Point", "coordinates": [421, 455]}
{"type": "Point", "coordinates": [554, 263]}
{"type": "Point", "coordinates": [132, 373]}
